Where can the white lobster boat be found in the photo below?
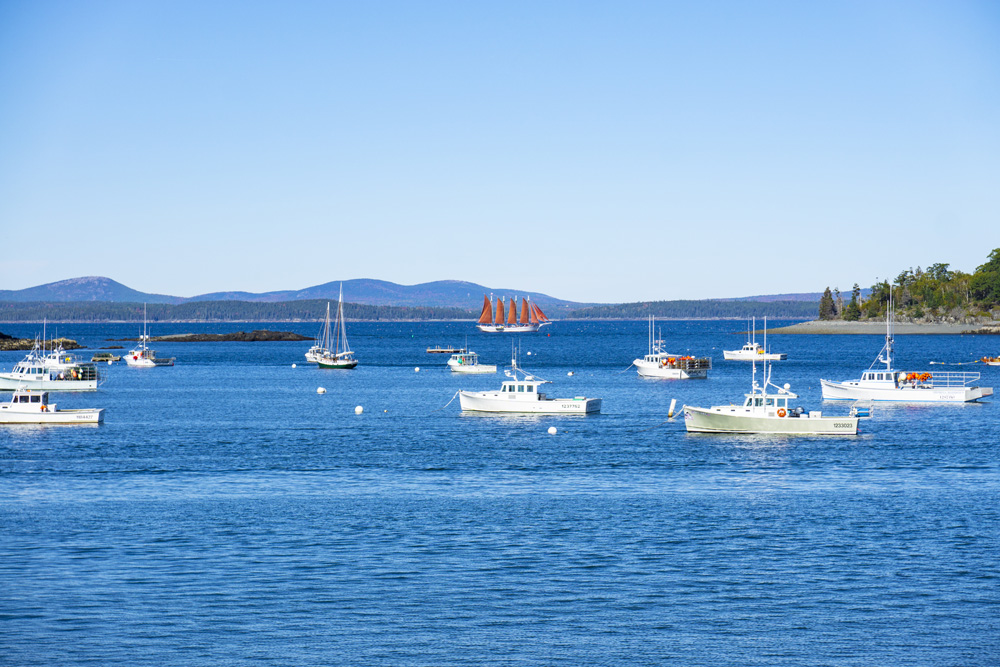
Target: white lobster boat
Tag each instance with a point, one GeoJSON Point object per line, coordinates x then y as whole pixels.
{"type": "Point", "coordinates": [493, 321]}
{"type": "Point", "coordinates": [888, 384]}
{"type": "Point", "coordinates": [38, 371]}
{"type": "Point", "coordinates": [468, 362]}
{"type": "Point", "coordinates": [32, 407]}
{"type": "Point", "coordinates": [767, 409]}
{"type": "Point", "coordinates": [141, 356]}
{"type": "Point", "coordinates": [523, 395]}
{"type": "Point", "coordinates": [752, 350]}
{"type": "Point", "coordinates": [661, 364]}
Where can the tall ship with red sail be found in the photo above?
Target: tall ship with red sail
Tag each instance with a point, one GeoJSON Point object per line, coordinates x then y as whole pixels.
{"type": "Point", "coordinates": [493, 320]}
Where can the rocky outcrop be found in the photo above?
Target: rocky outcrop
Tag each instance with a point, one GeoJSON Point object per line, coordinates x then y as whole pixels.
{"type": "Point", "coordinates": [8, 343]}
{"type": "Point", "coordinates": [239, 336]}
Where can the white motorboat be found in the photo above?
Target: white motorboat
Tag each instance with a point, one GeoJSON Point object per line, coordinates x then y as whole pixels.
{"type": "Point", "coordinates": [33, 407]}
{"type": "Point", "coordinates": [141, 356]}
{"type": "Point", "coordinates": [658, 363]}
{"type": "Point", "coordinates": [888, 384]}
{"type": "Point", "coordinates": [38, 371]}
{"type": "Point", "coordinates": [493, 321]}
{"type": "Point", "coordinates": [991, 361]}
{"type": "Point", "coordinates": [523, 395]}
{"type": "Point", "coordinates": [768, 409]}
{"type": "Point", "coordinates": [468, 362]}
{"type": "Point", "coordinates": [336, 352]}
{"type": "Point", "coordinates": [752, 350]}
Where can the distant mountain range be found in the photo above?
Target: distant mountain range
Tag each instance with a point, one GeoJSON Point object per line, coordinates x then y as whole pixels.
{"type": "Point", "coordinates": [438, 294]}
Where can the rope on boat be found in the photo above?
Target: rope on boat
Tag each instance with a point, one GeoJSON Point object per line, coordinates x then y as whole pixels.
{"type": "Point", "coordinates": [629, 366]}
{"type": "Point", "coordinates": [448, 403]}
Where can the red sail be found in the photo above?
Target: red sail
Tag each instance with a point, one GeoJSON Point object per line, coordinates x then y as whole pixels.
{"type": "Point", "coordinates": [538, 312]}
{"type": "Point", "coordinates": [533, 316]}
{"type": "Point", "coordinates": [524, 310]}
{"type": "Point", "coordinates": [511, 312]}
{"type": "Point", "coordinates": [486, 317]}
{"type": "Point", "coordinates": [499, 319]}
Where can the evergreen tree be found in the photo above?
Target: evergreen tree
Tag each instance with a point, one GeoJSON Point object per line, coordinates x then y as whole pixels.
{"type": "Point", "coordinates": [826, 307]}
{"type": "Point", "coordinates": [853, 311]}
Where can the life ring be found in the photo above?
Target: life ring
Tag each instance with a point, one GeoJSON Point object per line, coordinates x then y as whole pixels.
{"type": "Point", "coordinates": [781, 412]}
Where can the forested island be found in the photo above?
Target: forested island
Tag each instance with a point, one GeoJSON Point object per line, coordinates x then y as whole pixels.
{"type": "Point", "coordinates": [936, 294]}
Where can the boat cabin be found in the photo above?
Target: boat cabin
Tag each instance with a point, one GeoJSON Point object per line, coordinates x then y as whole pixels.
{"type": "Point", "coordinates": [523, 389]}
{"type": "Point", "coordinates": [758, 401]}
{"type": "Point", "coordinates": [467, 359]}
{"type": "Point", "coordinates": [26, 400]}
{"type": "Point", "coordinates": [883, 377]}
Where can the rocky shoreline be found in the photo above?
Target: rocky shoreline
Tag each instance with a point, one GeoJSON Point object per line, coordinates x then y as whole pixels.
{"type": "Point", "coordinates": [899, 328]}
{"type": "Point", "coordinates": [9, 343]}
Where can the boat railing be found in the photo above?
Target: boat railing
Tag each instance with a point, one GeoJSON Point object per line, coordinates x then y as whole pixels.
{"type": "Point", "coordinates": [940, 379]}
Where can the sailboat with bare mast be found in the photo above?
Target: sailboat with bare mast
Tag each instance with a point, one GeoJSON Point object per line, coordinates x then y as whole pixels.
{"type": "Point", "coordinates": [337, 353]}
{"type": "Point", "coordinates": [492, 319]}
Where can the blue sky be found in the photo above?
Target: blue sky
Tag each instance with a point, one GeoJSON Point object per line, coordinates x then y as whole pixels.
{"type": "Point", "coordinates": [611, 152]}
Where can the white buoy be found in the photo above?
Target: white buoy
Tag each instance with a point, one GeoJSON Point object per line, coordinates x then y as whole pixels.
{"type": "Point", "coordinates": [529, 354]}
{"type": "Point", "coordinates": [109, 362]}
{"type": "Point", "coordinates": [570, 374]}
{"type": "Point", "coordinates": [320, 390]}
{"type": "Point", "coordinates": [673, 404]}
{"type": "Point", "coordinates": [293, 365]}
{"type": "Point", "coordinates": [417, 369]}
{"type": "Point", "coordinates": [552, 430]}
{"type": "Point", "coordinates": [358, 410]}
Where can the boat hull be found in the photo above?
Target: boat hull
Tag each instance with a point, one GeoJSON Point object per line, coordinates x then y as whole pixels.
{"type": "Point", "coordinates": [473, 369]}
{"type": "Point", "coordinates": [510, 328]}
{"type": "Point", "coordinates": [854, 391]}
{"type": "Point", "coordinates": [346, 364]}
{"type": "Point", "coordinates": [87, 416]}
{"type": "Point", "coordinates": [48, 382]}
{"type": "Point", "coordinates": [494, 401]}
{"type": "Point", "coordinates": [652, 370]}
{"type": "Point", "coordinates": [735, 419]}
{"type": "Point", "coordinates": [740, 355]}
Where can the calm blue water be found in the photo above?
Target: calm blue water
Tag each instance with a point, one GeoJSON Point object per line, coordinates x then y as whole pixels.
{"type": "Point", "coordinates": [227, 514]}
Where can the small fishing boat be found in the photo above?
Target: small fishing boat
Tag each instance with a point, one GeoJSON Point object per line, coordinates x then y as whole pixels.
{"type": "Point", "coordinates": [468, 362]}
{"type": "Point", "coordinates": [104, 357]}
{"type": "Point", "coordinates": [991, 361]}
{"type": "Point", "coordinates": [522, 395]}
{"type": "Point", "coordinates": [752, 350]}
{"type": "Point", "coordinates": [492, 320]}
{"type": "Point", "coordinates": [336, 352]}
{"type": "Point", "coordinates": [768, 409]}
{"type": "Point", "coordinates": [891, 385]}
{"type": "Point", "coordinates": [33, 407]}
{"type": "Point", "coordinates": [658, 363]}
{"type": "Point", "coordinates": [141, 356]}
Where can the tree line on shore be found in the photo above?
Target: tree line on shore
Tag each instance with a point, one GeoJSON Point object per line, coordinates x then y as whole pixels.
{"type": "Point", "coordinates": [934, 293]}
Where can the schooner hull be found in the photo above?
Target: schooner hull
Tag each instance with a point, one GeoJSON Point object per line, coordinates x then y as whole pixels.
{"type": "Point", "coordinates": [510, 328]}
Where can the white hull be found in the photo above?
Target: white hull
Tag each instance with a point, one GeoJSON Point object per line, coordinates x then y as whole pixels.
{"type": "Point", "coordinates": [46, 381]}
{"type": "Point", "coordinates": [738, 419]}
{"type": "Point", "coordinates": [473, 369]}
{"type": "Point", "coordinates": [750, 355]}
{"type": "Point", "coordinates": [144, 362]}
{"type": "Point", "coordinates": [510, 328]}
{"type": "Point", "coordinates": [495, 401]}
{"type": "Point", "coordinates": [88, 416]}
{"type": "Point", "coordinates": [855, 390]}
{"type": "Point", "coordinates": [653, 370]}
